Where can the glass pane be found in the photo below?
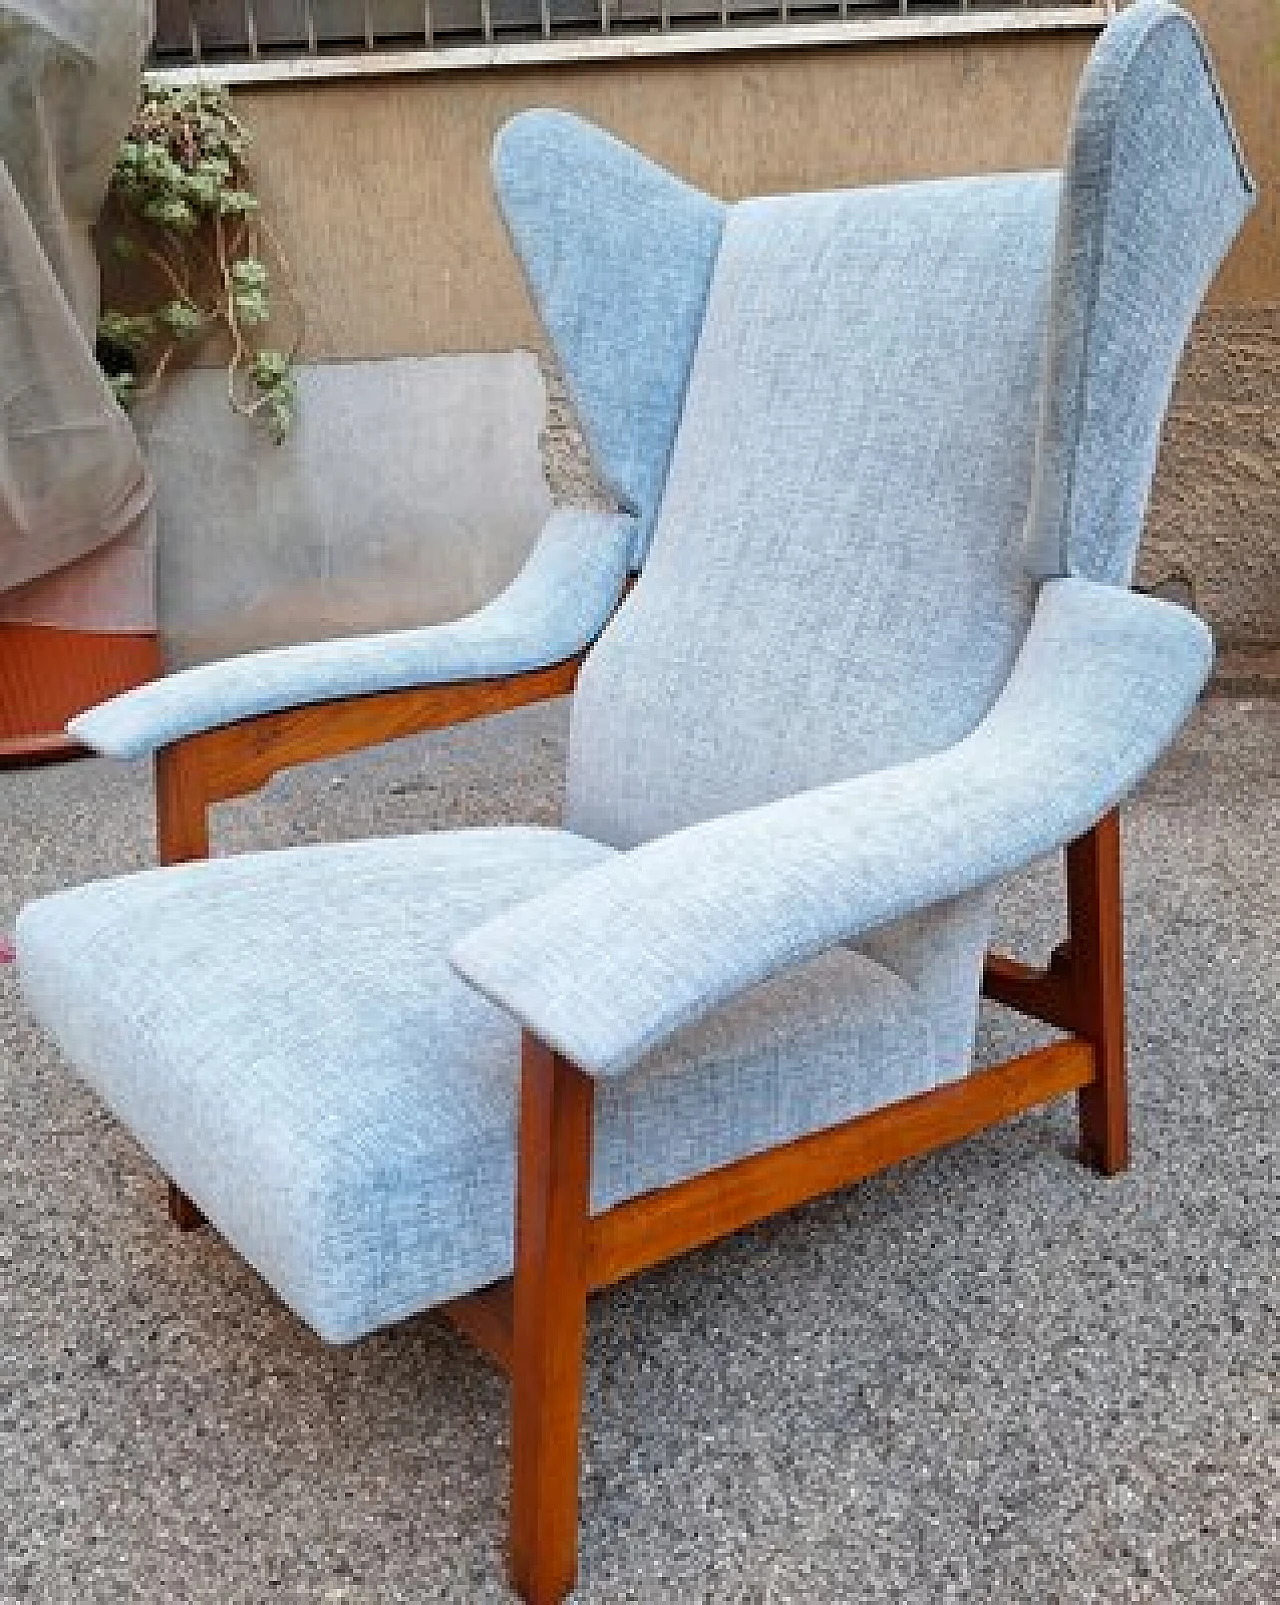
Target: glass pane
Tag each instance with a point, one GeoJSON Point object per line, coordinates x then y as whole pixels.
{"type": "Point", "coordinates": [392, 21]}
{"type": "Point", "coordinates": [399, 20]}
{"type": "Point", "coordinates": [452, 17]}
{"type": "Point", "coordinates": [578, 15]}
{"type": "Point", "coordinates": [223, 25]}
{"type": "Point", "coordinates": [281, 22]}
{"type": "Point", "coordinates": [173, 28]}
{"type": "Point", "coordinates": [525, 14]}
{"type": "Point", "coordinates": [338, 21]}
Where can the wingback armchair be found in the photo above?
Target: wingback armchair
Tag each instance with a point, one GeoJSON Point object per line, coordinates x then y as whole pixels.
{"type": "Point", "coordinates": [883, 456]}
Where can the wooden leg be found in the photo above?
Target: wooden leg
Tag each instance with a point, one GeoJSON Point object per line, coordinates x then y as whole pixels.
{"type": "Point", "coordinates": [487, 1319]}
{"type": "Point", "coordinates": [552, 1202]}
{"type": "Point", "coordinates": [182, 824]}
{"type": "Point", "coordinates": [182, 834]}
{"type": "Point", "coordinates": [1095, 912]}
{"type": "Point", "coordinates": [183, 1211]}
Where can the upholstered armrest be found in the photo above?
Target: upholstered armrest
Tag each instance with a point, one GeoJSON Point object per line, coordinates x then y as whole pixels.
{"type": "Point", "coordinates": [619, 957]}
{"type": "Point", "coordinates": [554, 607]}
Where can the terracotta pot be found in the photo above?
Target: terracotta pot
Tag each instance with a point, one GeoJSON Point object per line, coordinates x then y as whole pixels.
{"type": "Point", "coordinates": [48, 675]}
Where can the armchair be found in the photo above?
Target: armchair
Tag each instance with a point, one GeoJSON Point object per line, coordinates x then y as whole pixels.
{"type": "Point", "coordinates": [887, 453]}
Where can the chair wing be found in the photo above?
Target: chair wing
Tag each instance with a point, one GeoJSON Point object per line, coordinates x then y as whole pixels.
{"type": "Point", "coordinates": [618, 256]}
{"type": "Point", "coordinates": [1154, 191]}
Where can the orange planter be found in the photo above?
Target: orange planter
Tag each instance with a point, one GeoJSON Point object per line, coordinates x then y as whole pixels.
{"type": "Point", "coordinates": [48, 675]}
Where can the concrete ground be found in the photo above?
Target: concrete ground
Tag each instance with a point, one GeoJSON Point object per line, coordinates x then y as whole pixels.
{"type": "Point", "coordinates": [985, 1376]}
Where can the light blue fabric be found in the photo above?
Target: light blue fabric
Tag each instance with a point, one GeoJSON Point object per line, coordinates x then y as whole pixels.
{"type": "Point", "coordinates": [940, 952]}
{"type": "Point", "coordinates": [283, 1034]}
{"type": "Point", "coordinates": [618, 255]}
{"type": "Point", "coordinates": [608, 965]}
{"type": "Point", "coordinates": [1154, 192]}
{"type": "Point", "coordinates": [554, 607]}
{"type": "Point", "coordinates": [837, 580]}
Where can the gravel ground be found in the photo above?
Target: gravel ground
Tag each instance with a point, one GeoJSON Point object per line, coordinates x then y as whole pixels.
{"type": "Point", "coordinates": [986, 1376]}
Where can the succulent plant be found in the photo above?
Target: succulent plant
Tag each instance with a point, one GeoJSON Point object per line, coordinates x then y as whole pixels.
{"type": "Point", "coordinates": [195, 257]}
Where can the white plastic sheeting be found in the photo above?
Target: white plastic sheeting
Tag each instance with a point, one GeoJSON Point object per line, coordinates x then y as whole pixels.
{"type": "Point", "coordinates": [76, 532]}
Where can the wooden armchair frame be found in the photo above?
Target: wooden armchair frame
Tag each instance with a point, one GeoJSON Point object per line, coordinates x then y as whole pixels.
{"type": "Point", "coordinates": [533, 1326]}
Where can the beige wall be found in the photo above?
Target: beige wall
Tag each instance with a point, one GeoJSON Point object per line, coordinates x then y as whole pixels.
{"type": "Point", "coordinates": [380, 188]}
{"type": "Point", "coordinates": [1215, 508]}
{"type": "Point", "coordinates": [1244, 36]}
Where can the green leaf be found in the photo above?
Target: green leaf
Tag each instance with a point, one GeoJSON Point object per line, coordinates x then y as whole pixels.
{"type": "Point", "coordinates": [237, 203]}
{"type": "Point", "coordinates": [122, 329]}
{"type": "Point", "coordinates": [124, 387]}
{"type": "Point", "coordinates": [182, 320]}
{"type": "Point", "coordinates": [157, 166]}
{"type": "Point", "coordinates": [248, 273]}
{"type": "Point", "coordinates": [217, 168]}
{"type": "Point", "coordinates": [271, 370]}
{"type": "Point", "coordinates": [251, 307]}
{"type": "Point", "coordinates": [202, 192]}
{"type": "Point", "coordinates": [280, 416]}
{"type": "Point", "coordinates": [171, 212]}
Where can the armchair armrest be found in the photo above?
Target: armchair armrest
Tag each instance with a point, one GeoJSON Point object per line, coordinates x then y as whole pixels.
{"type": "Point", "coordinates": [554, 607]}
{"type": "Point", "coordinates": [618, 958]}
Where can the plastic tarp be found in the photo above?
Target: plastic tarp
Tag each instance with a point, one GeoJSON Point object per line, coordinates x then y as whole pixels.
{"type": "Point", "coordinates": [76, 526]}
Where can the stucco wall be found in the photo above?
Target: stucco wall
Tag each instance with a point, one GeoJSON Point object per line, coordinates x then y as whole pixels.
{"type": "Point", "coordinates": [1215, 508]}
{"type": "Point", "coordinates": [1244, 36]}
{"type": "Point", "coordinates": [381, 189]}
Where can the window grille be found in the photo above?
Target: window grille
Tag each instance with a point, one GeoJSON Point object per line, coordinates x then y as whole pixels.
{"type": "Point", "coordinates": [269, 38]}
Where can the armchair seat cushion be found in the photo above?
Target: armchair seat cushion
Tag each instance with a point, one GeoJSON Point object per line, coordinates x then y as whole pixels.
{"type": "Point", "coordinates": [283, 1034]}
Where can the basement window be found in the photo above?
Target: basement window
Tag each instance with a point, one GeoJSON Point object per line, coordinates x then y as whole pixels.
{"type": "Point", "coordinates": [264, 40]}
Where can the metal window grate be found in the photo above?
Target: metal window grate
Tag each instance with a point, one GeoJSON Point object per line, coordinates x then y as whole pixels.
{"type": "Point", "coordinates": [275, 37]}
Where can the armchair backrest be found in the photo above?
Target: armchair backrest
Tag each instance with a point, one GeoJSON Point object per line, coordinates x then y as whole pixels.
{"type": "Point", "coordinates": [863, 425]}
{"type": "Point", "coordinates": [836, 579]}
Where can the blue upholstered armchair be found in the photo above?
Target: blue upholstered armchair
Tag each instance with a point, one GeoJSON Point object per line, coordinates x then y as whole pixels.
{"type": "Point", "coordinates": [883, 458]}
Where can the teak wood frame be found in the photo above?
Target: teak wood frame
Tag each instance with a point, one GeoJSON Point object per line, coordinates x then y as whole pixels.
{"type": "Point", "coordinates": [534, 1325]}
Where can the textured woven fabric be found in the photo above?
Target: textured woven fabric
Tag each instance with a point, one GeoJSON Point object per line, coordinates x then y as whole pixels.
{"type": "Point", "coordinates": [1154, 191]}
{"type": "Point", "coordinates": [836, 581]}
{"type": "Point", "coordinates": [553, 608]}
{"type": "Point", "coordinates": [612, 962]}
{"type": "Point", "coordinates": [617, 255]}
{"type": "Point", "coordinates": [283, 1034]}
